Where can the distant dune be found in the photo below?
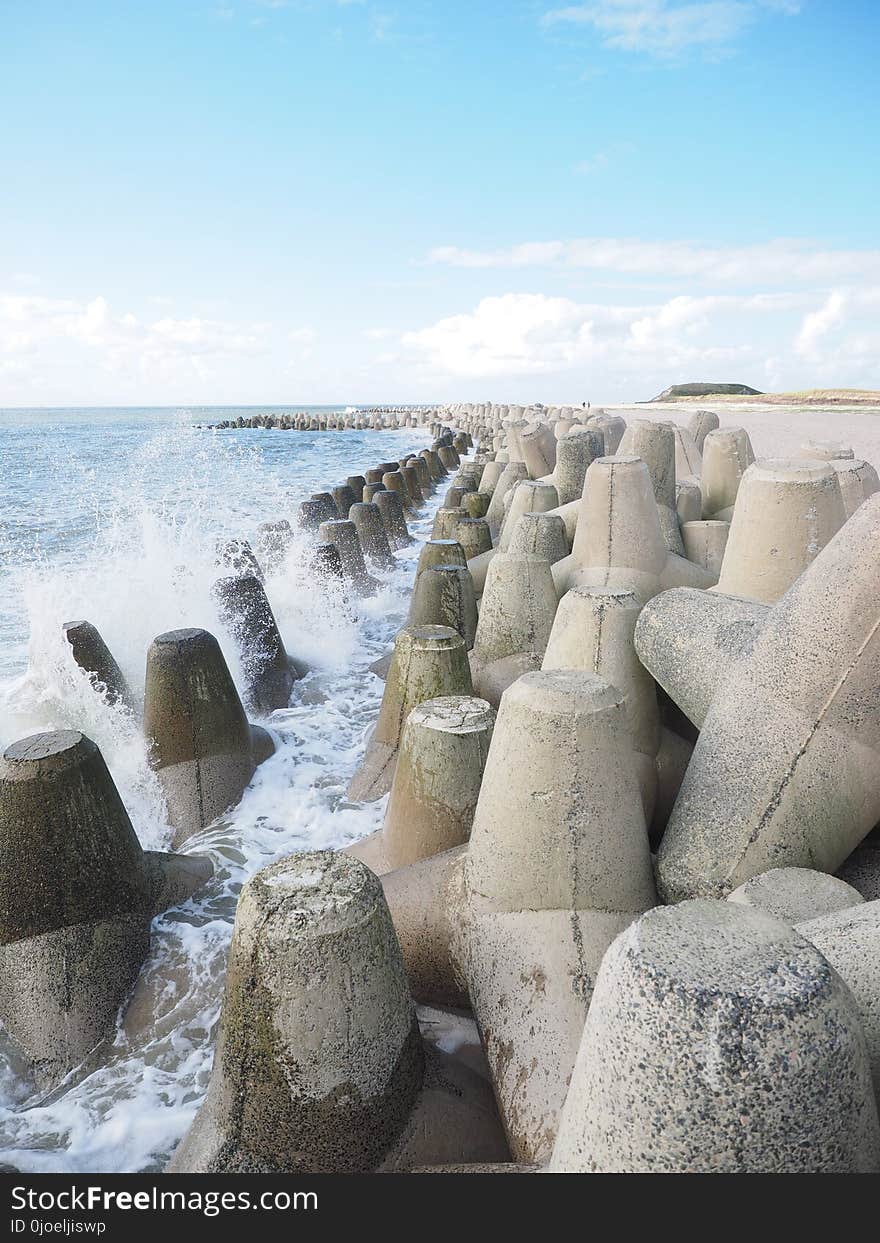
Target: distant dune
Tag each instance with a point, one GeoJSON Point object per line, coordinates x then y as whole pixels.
{"type": "Point", "coordinates": [809, 397]}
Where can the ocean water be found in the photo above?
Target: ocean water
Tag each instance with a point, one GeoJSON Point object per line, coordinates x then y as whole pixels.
{"type": "Point", "coordinates": [113, 516]}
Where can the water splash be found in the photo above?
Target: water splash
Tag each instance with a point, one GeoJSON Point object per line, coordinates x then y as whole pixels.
{"type": "Point", "coordinates": [126, 538]}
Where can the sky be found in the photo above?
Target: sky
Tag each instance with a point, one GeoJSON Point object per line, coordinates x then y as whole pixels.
{"type": "Point", "coordinates": [319, 201]}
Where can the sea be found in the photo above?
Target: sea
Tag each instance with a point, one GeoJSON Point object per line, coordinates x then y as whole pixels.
{"type": "Point", "coordinates": [113, 516]}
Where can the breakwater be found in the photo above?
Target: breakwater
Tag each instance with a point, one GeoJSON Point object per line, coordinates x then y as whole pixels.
{"type": "Point", "coordinates": [627, 735]}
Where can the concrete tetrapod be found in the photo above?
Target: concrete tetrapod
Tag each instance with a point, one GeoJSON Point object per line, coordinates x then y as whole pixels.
{"type": "Point", "coordinates": [654, 443]}
{"type": "Point", "coordinates": [453, 498]}
{"type": "Point", "coordinates": [428, 662]}
{"type": "Point", "coordinates": [310, 515]}
{"type": "Point", "coordinates": [727, 454]}
{"type": "Point", "coordinates": [574, 453]}
{"type": "Point", "coordinates": [273, 541]}
{"type": "Point", "coordinates": [344, 537]}
{"type": "Point", "coordinates": [443, 595]}
{"type": "Point", "coordinates": [688, 503]}
{"type": "Point", "coordinates": [700, 424]}
{"type": "Point", "coordinates": [850, 939]}
{"type": "Point", "coordinates": [394, 481]}
{"type": "Point", "coordinates": [785, 514]}
{"type": "Point", "coordinates": [474, 536]}
{"type": "Point", "coordinates": [436, 783]}
{"type": "Point", "coordinates": [513, 474]}
{"type": "Point", "coordinates": [320, 1067]}
{"type": "Point", "coordinates": [327, 563]}
{"type": "Point", "coordinates": [538, 447]}
{"type": "Point", "coordinates": [390, 507]}
{"type": "Point", "coordinates": [371, 532]}
{"type": "Point", "coordinates": [237, 556]}
{"type": "Point", "coordinates": [245, 611]}
{"type": "Point", "coordinates": [516, 616]}
{"type": "Point", "coordinates": [202, 748]}
{"type": "Point", "coordinates": [705, 542]}
{"type": "Point", "coordinates": [492, 473]}
{"type": "Point", "coordinates": [612, 427]}
{"type": "Point", "coordinates": [618, 541]}
{"type": "Point", "coordinates": [690, 640]}
{"type": "Point", "coordinates": [719, 1040]}
{"type": "Point", "coordinates": [688, 458]}
{"type": "Point", "coordinates": [94, 657]}
{"type": "Point", "coordinates": [858, 481]}
{"type": "Point", "coordinates": [327, 503]}
{"type": "Point", "coordinates": [783, 773]}
{"type": "Point", "coordinates": [343, 498]}
{"type": "Point", "coordinates": [862, 868]}
{"type": "Point", "coordinates": [795, 894]}
{"type": "Point", "coordinates": [411, 478]}
{"type": "Point", "coordinates": [77, 894]}
{"type": "Point", "coordinates": [475, 504]}
{"type": "Point", "coordinates": [539, 535]}
{"type": "Point", "coordinates": [826, 450]}
{"type": "Point", "coordinates": [593, 630]}
{"type": "Point", "coordinates": [557, 864]}
{"type": "Point", "coordinates": [529, 497]}
{"type": "Point", "coordinates": [440, 552]}
{"type": "Point", "coordinates": [445, 522]}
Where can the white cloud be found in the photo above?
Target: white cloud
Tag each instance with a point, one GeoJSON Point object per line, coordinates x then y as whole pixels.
{"type": "Point", "coordinates": [783, 260]}
{"type": "Point", "coordinates": [41, 336]}
{"type": "Point", "coordinates": [302, 336]}
{"type": "Point", "coordinates": [719, 336]}
{"type": "Point", "coordinates": [817, 324]}
{"type": "Point", "coordinates": [666, 29]}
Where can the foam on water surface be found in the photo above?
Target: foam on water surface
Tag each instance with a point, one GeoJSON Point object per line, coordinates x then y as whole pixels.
{"type": "Point", "coordinates": [115, 519]}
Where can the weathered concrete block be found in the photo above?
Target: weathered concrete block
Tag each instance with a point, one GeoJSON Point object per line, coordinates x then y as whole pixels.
{"type": "Point", "coordinates": [690, 640]}
{"type": "Point", "coordinates": [344, 537]}
{"type": "Point", "coordinates": [474, 536]}
{"type": "Point", "coordinates": [783, 773]}
{"type": "Point", "coordinates": [94, 657]}
{"type": "Point", "coordinates": [516, 613]}
{"type": "Point", "coordinates": [428, 662]}
{"type": "Point", "coordinates": [858, 481]}
{"type": "Point", "coordinates": [849, 938]}
{"type": "Point", "coordinates": [436, 783]}
{"type": "Point", "coordinates": [372, 535]}
{"type": "Point", "coordinates": [540, 535]}
{"type": "Point", "coordinates": [796, 894]}
{"type": "Point", "coordinates": [320, 1066]}
{"type": "Point", "coordinates": [705, 542]}
{"type": "Point", "coordinates": [718, 1040]}
{"type": "Point", "coordinates": [201, 746]}
{"type": "Point", "coordinates": [443, 595]}
{"type": "Point", "coordinates": [529, 497]}
{"type": "Point", "coordinates": [785, 514]}
{"type": "Point", "coordinates": [700, 424]}
{"type": "Point", "coordinates": [593, 630]}
{"type": "Point", "coordinates": [245, 612]}
{"type": "Point", "coordinates": [391, 508]}
{"type": "Point", "coordinates": [727, 454]}
{"type": "Point", "coordinates": [654, 443]}
{"type": "Point", "coordinates": [618, 541]}
{"type": "Point", "coordinates": [557, 865]}
{"type": "Point", "coordinates": [75, 901]}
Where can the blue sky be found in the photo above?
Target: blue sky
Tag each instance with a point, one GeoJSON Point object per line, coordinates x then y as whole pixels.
{"type": "Point", "coordinates": [299, 201]}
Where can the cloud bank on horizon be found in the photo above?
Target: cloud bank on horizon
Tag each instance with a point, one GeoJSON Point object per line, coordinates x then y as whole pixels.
{"type": "Point", "coordinates": [336, 200]}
